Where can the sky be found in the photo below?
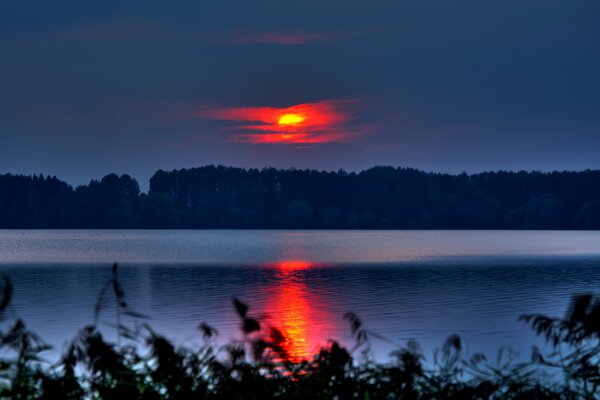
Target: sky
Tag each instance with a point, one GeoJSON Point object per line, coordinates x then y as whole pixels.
{"type": "Point", "coordinates": [93, 87]}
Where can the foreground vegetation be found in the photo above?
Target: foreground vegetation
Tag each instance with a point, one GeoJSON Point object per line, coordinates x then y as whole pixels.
{"type": "Point", "coordinates": [380, 198]}
{"type": "Point", "coordinates": [145, 365]}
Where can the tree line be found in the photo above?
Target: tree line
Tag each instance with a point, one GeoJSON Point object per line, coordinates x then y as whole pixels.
{"type": "Point", "coordinates": [378, 198]}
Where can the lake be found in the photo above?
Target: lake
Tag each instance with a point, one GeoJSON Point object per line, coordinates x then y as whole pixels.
{"type": "Point", "coordinates": [421, 285]}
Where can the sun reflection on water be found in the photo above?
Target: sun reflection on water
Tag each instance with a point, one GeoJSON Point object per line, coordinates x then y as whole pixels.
{"type": "Point", "coordinates": [293, 312]}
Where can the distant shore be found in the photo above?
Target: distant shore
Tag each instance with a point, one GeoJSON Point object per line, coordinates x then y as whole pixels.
{"type": "Point", "coordinates": [218, 197]}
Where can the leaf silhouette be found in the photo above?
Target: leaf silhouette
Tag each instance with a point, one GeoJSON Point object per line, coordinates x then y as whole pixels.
{"type": "Point", "coordinates": [6, 288]}
{"type": "Point", "coordinates": [241, 308]}
{"type": "Point", "coordinates": [207, 330]}
{"type": "Point", "coordinates": [250, 325]}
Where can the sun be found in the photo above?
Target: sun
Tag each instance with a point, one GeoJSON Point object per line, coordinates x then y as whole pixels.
{"type": "Point", "coordinates": [291, 119]}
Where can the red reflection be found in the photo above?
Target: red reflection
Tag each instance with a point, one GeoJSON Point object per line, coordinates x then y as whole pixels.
{"type": "Point", "coordinates": [292, 312]}
{"type": "Point", "coordinates": [293, 265]}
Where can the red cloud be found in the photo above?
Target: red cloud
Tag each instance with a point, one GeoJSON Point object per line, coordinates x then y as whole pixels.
{"type": "Point", "coordinates": [320, 122]}
{"type": "Point", "coordinates": [147, 30]}
{"type": "Point", "coordinates": [289, 138]}
{"type": "Point", "coordinates": [287, 38]}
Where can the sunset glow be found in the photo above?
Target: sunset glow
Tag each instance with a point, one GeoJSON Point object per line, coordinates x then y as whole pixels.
{"type": "Point", "coordinates": [319, 122]}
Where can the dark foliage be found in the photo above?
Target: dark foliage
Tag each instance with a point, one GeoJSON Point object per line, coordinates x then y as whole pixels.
{"type": "Point", "coordinates": [380, 197]}
{"type": "Point", "coordinates": [256, 366]}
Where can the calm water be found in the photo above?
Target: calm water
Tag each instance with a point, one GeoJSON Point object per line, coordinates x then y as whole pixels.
{"type": "Point", "coordinates": [405, 285]}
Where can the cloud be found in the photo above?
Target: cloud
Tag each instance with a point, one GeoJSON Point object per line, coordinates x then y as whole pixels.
{"type": "Point", "coordinates": [118, 31]}
{"type": "Point", "coordinates": [123, 31]}
{"type": "Point", "coordinates": [323, 121]}
{"type": "Point", "coordinates": [287, 138]}
{"type": "Point", "coordinates": [286, 38]}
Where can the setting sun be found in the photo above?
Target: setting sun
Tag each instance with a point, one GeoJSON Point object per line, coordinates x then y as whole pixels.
{"type": "Point", "coordinates": [323, 121]}
{"type": "Point", "coordinates": [291, 119]}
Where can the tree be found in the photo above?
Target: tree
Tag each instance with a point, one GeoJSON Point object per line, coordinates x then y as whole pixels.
{"type": "Point", "coordinates": [299, 214]}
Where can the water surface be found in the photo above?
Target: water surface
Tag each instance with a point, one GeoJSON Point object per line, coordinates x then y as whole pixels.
{"type": "Point", "coordinates": [405, 285]}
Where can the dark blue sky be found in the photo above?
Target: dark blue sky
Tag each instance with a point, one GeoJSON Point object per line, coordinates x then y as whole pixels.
{"type": "Point", "coordinates": [90, 87]}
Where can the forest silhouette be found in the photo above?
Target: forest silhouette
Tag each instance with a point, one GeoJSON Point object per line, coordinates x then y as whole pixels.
{"type": "Point", "coordinates": [214, 197]}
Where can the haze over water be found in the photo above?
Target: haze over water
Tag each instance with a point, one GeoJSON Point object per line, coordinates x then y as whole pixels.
{"type": "Point", "coordinates": [421, 285]}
